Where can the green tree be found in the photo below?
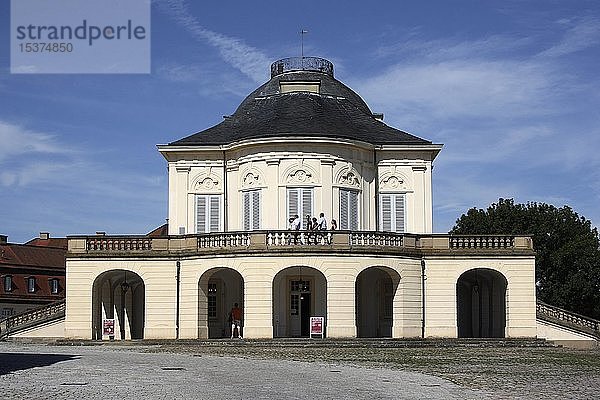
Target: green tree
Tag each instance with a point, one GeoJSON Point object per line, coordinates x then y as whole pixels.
{"type": "Point", "coordinates": [567, 247]}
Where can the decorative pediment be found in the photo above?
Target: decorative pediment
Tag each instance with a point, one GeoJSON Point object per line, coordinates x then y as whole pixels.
{"type": "Point", "coordinates": [393, 181]}
{"type": "Point", "coordinates": [206, 183]}
{"type": "Point", "coordinates": [300, 174]}
{"type": "Point", "coordinates": [251, 178]}
{"type": "Point", "coordinates": [348, 177]}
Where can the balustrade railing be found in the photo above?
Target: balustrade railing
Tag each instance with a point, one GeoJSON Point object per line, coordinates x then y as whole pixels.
{"type": "Point", "coordinates": [118, 243]}
{"type": "Point", "coordinates": [547, 311]}
{"type": "Point", "coordinates": [264, 239]}
{"type": "Point", "coordinates": [376, 239]}
{"type": "Point", "coordinates": [32, 318]}
{"type": "Point", "coordinates": [291, 238]}
{"type": "Point", "coordinates": [482, 242]}
{"type": "Point", "coordinates": [218, 240]}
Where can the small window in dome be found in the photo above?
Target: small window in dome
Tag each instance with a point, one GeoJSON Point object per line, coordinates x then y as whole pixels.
{"type": "Point", "coordinates": [300, 86]}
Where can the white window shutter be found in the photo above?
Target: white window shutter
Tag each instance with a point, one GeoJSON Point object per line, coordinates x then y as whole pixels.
{"type": "Point", "coordinates": [247, 208]}
{"type": "Point", "coordinates": [399, 209]}
{"type": "Point", "coordinates": [201, 213]}
{"type": "Point", "coordinates": [215, 211]}
{"type": "Point", "coordinates": [386, 212]}
{"type": "Point", "coordinates": [293, 202]}
{"type": "Point", "coordinates": [344, 209]}
{"type": "Point", "coordinates": [256, 209]}
{"type": "Point", "coordinates": [353, 210]}
{"type": "Point", "coordinates": [307, 209]}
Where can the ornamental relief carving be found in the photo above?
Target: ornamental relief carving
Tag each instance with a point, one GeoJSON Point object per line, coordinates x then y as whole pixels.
{"type": "Point", "coordinates": [349, 178]}
{"type": "Point", "coordinates": [300, 176]}
{"type": "Point", "coordinates": [251, 179]}
{"type": "Point", "coordinates": [393, 181]}
{"type": "Point", "coordinates": [204, 183]}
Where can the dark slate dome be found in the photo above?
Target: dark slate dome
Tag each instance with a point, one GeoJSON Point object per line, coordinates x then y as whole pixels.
{"type": "Point", "coordinates": [333, 110]}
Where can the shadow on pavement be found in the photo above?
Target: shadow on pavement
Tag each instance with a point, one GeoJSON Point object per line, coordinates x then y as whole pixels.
{"type": "Point", "coordinates": [10, 362]}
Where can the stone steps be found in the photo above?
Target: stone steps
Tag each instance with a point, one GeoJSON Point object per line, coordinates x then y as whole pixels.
{"type": "Point", "coordinates": [329, 343]}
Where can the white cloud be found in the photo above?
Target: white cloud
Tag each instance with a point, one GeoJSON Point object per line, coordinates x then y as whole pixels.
{"type": "Point", "coordinates": [247, 59]}
{"type": "Point", "coordinates": [17, 140]}
{"type": "Point", "coordinates": [458, 88]}
{"type": "Point", "coordinates": [180, 72]}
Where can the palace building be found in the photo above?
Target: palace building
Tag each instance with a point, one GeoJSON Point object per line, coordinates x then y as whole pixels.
{"type": "Point", "coordinates": [301, 144]}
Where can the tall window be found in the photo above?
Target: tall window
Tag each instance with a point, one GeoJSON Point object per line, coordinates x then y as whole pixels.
{"type": "Point", "coordinates": [208, 213]}
{"type": "Point", "coordinates": [300, 201]}
{"type": "Point", "coordinates": [53, 285]}
{"type": "Point", "coordinates": [212, 300]}
{"type": "Point", "coordinates": [8, 283]}
{"type": "Point", "coordinates": [348, 209]}
{"type": "Point", "coordinates": [31, 284]}
{"type": "Point", "coordinates": [391, 212]}
{"type": "Point", "coordinates": [251, 210]}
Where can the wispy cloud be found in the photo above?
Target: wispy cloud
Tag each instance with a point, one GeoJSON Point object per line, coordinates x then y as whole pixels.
{"type": "Point", "coordinates": [581, 34]}
{"type": "Point", "coordinates": [17, 140]}
{"type": "Point", "coordinates": [247, 59]}
{"type": "Point", "coordinates": [507, 108]}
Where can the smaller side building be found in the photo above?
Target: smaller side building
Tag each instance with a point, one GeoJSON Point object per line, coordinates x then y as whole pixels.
{"type": "Point", "coordinates": [31, 274]}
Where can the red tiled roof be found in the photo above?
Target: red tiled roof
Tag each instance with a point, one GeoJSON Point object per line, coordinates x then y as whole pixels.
{"type": "Point", "coordinates": [162, 230]}
{"type": "Point", "coordinates": [52, 242]}
{"type": "Point", "coordinates": [32, 256]}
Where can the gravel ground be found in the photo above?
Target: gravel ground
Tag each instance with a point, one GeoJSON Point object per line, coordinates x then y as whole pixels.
{"type": "Point", "coordinates": [223, 371]}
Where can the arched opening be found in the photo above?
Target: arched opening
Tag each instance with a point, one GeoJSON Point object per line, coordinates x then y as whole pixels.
{"type": "Point", "coordinates": [298, 293]}
{"type": "Point", "coordinates": [375, 291]}
{"type": "Point", "coordinates": [120, 295]}
{"type": "Point", "coordinates": [218, 290]}
{"type": "Point", "coordinates": [481, 304]}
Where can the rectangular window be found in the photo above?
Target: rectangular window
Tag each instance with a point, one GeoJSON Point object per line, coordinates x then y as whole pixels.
{"type": "Point", "coordinates": [348, 209]}
{"type": "Point", "coordinates": [251, 210]}
{"type": "Point", "coordinates": [208, 213]}
{"type": "Point", "coordinates": [31, 284]}
{"type": "Point", "coordinates": [8, 287]}
{"type": "Point", "coordinates": [53, 286]}
{"type": "Point", "coordinates": [212, 300]}
{"type": "Point", "coordinates": [300, 202]}
{"type": "Point", "coordinates": [7, 311]}
{"type": "Point", "coordinates": [391, 212]}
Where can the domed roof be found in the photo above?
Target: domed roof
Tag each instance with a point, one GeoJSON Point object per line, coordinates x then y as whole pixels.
{"type": "Point", "coordinates": [328, 108]}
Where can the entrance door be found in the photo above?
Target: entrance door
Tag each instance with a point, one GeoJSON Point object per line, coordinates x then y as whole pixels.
{"type": "Point", "coordinates": [300, 308]}
{"type": "Point", "coordinates": [305, 314]}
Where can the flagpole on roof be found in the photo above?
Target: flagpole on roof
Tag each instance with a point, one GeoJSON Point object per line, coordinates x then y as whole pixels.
{"type": "Point", "coordinates": [302, 33]}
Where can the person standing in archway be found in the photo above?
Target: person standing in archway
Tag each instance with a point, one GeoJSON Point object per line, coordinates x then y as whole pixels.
{"type": "Point", "coordinates": [236, 320]}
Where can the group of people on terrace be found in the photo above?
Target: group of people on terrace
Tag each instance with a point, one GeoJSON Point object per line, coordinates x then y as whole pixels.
{"type": "Point", "coordinates": [310, 224]}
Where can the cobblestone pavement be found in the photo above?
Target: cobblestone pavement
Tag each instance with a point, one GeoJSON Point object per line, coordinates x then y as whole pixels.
{"type": "Point", "coordinates": [198, 371]}
{"type": "Point", "coordinates": [35, 371]}
{"type": "Point", "coordinates": [502, 372]}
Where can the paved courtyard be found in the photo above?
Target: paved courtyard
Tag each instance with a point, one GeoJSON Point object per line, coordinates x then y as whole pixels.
{"type": "Point", "coordinates": [184, 371]}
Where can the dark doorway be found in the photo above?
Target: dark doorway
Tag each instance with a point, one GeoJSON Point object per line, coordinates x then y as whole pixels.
{"type": "Point", "coordinates": [305, 314]}
{"type": "Point", "coordinates": [481, 304]}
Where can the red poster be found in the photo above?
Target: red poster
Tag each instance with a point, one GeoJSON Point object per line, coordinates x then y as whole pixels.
{"type": "Point", "coordinates": [108, 327]}
{"type": "Point", "coordinates": [316, 325]}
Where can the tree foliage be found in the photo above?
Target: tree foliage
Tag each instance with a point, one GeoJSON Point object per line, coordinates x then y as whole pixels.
{"type": "Point", "coordinates": [567, 247]}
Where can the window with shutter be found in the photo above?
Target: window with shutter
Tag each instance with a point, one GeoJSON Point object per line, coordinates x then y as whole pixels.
{"type": "Point", "coordinates": [208, 213]}
{"type": "Point", "coordinates": [251, 210]}
{"type": "Point", "coordinates": [300, 201]}
{"type": "Point", "coordinates": [391, 212]}
{"type": "Point", "coordinates": [348, 209]}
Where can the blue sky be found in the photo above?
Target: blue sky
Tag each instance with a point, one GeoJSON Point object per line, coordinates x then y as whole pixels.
{"type": "Point", "coordinates": [511, 88]}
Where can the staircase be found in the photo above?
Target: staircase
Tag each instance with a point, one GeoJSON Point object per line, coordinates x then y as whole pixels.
{"type": "Point", "coordinates": [32, 318]}
{"type": "Point", "coordinates": [568, 319]}
{"type": "Point", "coordinates": [545, 312]}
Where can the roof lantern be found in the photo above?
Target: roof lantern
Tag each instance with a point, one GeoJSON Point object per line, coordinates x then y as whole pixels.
{"type": "Point", "coordinates": [291, 64]}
